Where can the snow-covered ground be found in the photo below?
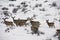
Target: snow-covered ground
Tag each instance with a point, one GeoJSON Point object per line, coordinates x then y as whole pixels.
{"type": "Point", "coordinates": [24, 33]}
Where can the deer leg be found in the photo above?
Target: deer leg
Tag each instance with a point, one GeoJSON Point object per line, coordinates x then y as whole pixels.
{"type": "Point", "coordinates": [49, 26]}
{"type": "Point", "coordinates": [58, 37]}
{"type": "Point", "coordinates": [54, 26]}
{"type": "Point", "coordinates": [38, 33]}
{"type": "Point", "coordinates": [32, 33]}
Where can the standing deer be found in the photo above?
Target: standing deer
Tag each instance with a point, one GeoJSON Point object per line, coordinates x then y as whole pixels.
{"type": "Point", "coordinates": [8, 23]}
{"type": "Point", "coordinates": [19, 22]}
{"type": "Point", "coordinates": [35, 26]}
{"type": "Point", "coordinates": [50, 24]}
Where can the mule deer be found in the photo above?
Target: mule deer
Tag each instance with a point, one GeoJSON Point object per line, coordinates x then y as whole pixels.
{"type": "Point", "coordinates": [50, 24]}
{"type": "Point", "coordinates": [8, 23]}
{"type": "Point", "coordinates": [58, 30]}
{"type": "Point", "coordinates": [34, 27]}
{"type": "Point", "coordinates": [19, 22]}
{"type": "Point", "coordinates": [35, 23]}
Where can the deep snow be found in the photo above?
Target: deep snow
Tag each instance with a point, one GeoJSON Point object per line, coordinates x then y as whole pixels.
{"type": "Point", "coordinates": [24, 33]}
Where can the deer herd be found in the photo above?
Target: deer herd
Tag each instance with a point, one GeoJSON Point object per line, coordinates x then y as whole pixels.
{"type": "Point", "coordinates": [22, 22]}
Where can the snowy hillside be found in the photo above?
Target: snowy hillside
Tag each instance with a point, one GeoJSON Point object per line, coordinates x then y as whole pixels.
{"type": "Point", "coordinates": [29, 19]}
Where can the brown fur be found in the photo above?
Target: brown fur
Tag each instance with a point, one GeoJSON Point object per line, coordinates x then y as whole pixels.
{"type": "Point", "coordinates": [35, 26]}
{"type": "Point", "coordinates": [19, 22]}
{"type": "Point", "coordinates": [58, 30]}
{"type": "Point", "coordinates": [35, 23]}
{"type": "Point", "coordinates": [8, 23]}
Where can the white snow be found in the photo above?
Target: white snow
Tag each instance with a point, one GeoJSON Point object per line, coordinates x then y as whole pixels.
{"type": "Point", "coordinates": [24, 33]}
